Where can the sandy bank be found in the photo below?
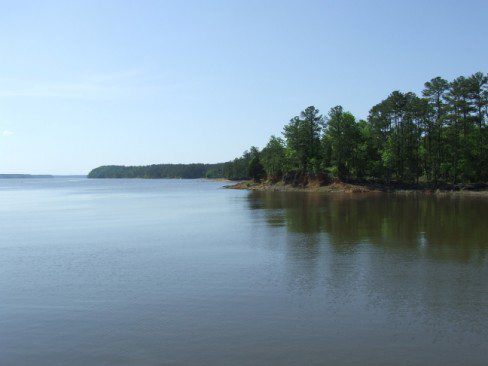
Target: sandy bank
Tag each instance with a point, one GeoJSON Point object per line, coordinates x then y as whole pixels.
{"type": "Point", "coordinates": [341, 187]}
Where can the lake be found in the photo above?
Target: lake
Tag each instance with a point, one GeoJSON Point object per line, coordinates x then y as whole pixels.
{"type": "Point", "coordinates": [182, 272]}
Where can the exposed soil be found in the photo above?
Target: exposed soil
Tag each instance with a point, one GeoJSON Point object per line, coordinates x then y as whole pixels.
{"type": "Point", "coordinates": [318, 185]}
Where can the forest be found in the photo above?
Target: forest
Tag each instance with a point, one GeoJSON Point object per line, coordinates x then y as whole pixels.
{"type": "Point", "coordinates": [439, 137]}
{"type": "Point", "coordinates": [157, 171]}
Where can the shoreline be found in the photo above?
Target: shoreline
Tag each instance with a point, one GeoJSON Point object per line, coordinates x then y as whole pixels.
{"type": "Point", "coordinates": [351, 188]}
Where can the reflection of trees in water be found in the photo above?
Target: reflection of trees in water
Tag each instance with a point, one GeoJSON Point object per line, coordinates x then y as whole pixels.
{"type": "Point", "coordinates": [304, 256]}
{"type": "Point", "coordinates": [417, 258]}
{"type": "Point", "coordinates": [441, 227]}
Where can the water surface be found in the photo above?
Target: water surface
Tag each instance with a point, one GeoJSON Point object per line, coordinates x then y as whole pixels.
{"type": "Point", "coordinates": [181, 272]}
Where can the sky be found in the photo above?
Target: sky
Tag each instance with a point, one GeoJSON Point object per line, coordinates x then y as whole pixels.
{"type": "Point", "coordinates": [87, 83]}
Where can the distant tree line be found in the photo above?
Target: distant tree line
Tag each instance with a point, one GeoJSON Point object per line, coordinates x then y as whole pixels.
{"type": "Point", "coordinates": [441, 137]}
{"type": "Point", "coordinates": [158, 171]}
{"type": "Point", "coordinates": [24, 176]}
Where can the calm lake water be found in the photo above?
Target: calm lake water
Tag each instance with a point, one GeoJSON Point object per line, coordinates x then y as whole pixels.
{"type": "Point", "coordinates": [182, 272]}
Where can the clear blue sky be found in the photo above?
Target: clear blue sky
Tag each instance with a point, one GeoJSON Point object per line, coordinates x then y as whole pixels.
{"type": "Point", "coordinates": [88, 83]}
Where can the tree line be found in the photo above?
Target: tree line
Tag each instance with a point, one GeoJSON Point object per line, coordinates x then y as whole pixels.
{"type": "Point", "coordinates": [440, 137]}
{"type": "Point", "coordinates": [158, 171]}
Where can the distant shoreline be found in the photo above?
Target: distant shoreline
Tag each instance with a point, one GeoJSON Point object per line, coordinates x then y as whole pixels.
{"type": "Point", "coordinates": [343, 187]}
{"type": "Point", "coordinates": [39, 176]}
{"type": "Point", "coordinates": [25, 176]}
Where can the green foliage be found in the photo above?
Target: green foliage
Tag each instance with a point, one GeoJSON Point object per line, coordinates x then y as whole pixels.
{"type": "Point", "coordinates": [433, 142]}
{"type": "Point", "coordinates": [396, 125]}
{"type": "Point", "coordinates": [159, 171]}
{"type": "Point", "coordinates": [302, 136]}
{"type": "Point", "coordinates": [255, 169]}
{"type": "Point", "coordinates": [273, 157]}
{"type": "Point", "coordinates": [342, 138]}
{"type": "Point", "coordinates": [238, 169]}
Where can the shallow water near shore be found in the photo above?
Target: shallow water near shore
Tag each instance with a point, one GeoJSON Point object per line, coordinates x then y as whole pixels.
{"type": "Point", "coordinates": [182, 272]}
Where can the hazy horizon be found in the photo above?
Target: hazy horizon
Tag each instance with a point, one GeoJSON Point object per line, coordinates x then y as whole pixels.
{"type": "Point", "coordinates": [137, 83]}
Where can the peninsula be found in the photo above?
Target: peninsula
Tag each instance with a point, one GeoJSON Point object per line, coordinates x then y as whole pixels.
{"type": "Point", "coordinates": [435, 141]}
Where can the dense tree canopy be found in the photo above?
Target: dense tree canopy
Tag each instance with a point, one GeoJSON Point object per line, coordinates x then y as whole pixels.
{"type": "Point", "coordinates": [441, 137]}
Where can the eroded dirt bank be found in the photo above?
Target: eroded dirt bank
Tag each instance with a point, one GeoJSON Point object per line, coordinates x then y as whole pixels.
{"type": "Point", "coordinates": [362, 187]}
